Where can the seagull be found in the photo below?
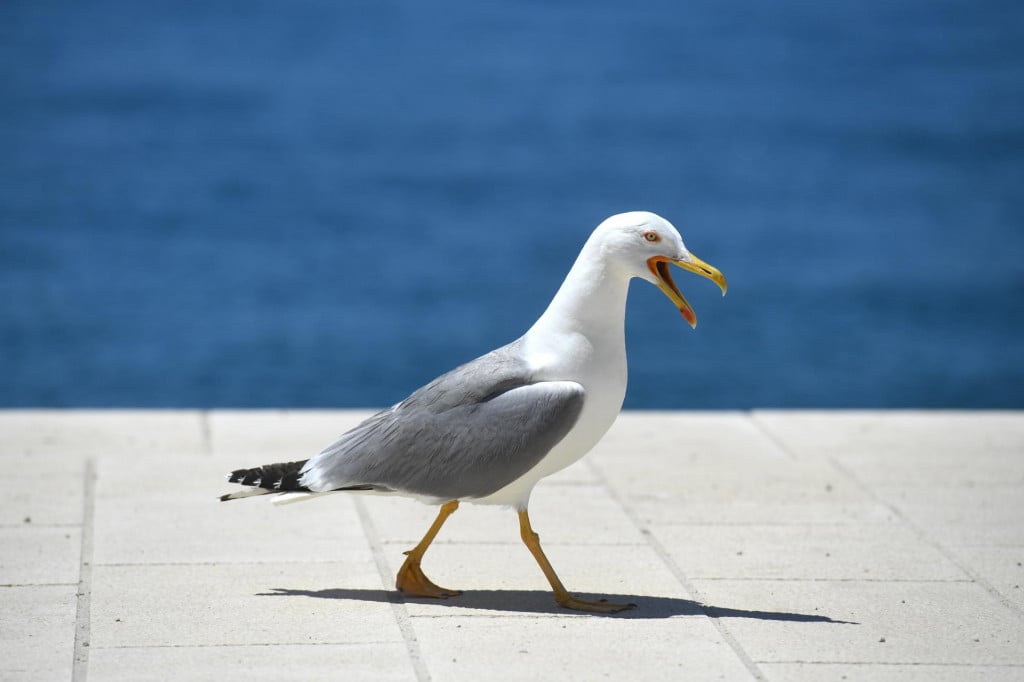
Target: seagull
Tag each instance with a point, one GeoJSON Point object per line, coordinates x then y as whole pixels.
{"type": "Point", "coordinates": [488, 431]}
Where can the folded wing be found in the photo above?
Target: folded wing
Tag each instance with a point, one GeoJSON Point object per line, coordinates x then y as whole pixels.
{"type": "Point", "coordinates": [467, 434]}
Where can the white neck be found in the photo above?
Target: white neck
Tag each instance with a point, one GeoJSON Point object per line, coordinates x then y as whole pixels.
{"type": "Point", "coordinates": [591, 300]}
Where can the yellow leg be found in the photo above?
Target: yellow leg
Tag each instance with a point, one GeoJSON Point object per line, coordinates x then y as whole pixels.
{"type": "Point", "coordinates": [562, 596]}
{"type": "Point", "coordinates": [410, 576]}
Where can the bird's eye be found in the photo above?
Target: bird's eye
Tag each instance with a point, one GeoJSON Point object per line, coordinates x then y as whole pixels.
{"type": "Point", "coordinates": [651, 236]}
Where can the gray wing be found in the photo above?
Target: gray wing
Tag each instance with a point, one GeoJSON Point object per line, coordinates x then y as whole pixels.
{"type": "Point", "coordinates": [466, 434]}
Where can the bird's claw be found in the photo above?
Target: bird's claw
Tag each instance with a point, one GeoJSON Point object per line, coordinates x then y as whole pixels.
{"type": "Point", "coordinates": [412, 581]}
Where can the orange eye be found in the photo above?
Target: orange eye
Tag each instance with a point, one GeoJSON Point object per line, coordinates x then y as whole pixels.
{"type": "Point", "coordinates": [652, 236]}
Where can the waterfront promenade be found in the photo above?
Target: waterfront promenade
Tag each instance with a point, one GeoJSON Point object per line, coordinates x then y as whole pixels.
{"type": "Point", "coordinates": [765, 545]}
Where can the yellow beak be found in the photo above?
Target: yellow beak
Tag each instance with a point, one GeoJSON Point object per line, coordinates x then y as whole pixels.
{"type": "Point", "coordinates": [659, 267]}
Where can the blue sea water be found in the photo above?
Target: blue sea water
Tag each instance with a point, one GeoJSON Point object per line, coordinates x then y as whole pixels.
{"type": "Point", "coordinates": [322, 203]}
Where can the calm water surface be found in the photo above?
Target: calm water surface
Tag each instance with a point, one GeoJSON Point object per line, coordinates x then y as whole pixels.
{"type": "Point", "coordinates": [328, 203]}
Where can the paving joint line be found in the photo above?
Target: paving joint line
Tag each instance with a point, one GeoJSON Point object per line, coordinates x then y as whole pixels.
{"type": "Point", "coordinates": [80, 661]}
{"type": "Point", "coordinates": [775, 439]}
{"type": "Point", "coordinates": [205, 433]}
{"type": "Point", "coordinates": [401, 613]}
{"type": "Point", "coordinates": [677, 572]}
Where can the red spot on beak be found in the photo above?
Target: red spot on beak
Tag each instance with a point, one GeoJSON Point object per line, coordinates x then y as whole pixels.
{"type": "Point", "coordinates": [689, 316]}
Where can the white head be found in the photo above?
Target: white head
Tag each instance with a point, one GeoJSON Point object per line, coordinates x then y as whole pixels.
{"type": "Point", "coordinates": [643, 244]}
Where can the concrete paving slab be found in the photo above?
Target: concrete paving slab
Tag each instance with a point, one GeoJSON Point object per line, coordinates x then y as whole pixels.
{"type": "Point", "coordinates": [185, 473]}
{"type": "Point", "coordinates": [255, 437]}
{"type": "Point", "coordinates": [42, 489]}
{"type": "Point", "coordinates": [37, 632]}
{"type": "Point", "coordinates": [194, 528]}
{"type": "Point", "coordinates": [894, 672]}
{"type": "Point", "coordinates": [587, 648]}
{"type": "Point", "coordinates": [805, 552]}
{"type": "Point", "coordinates": [236, 604]}
{"type": "Point", "coordinates": [655, 515]}
{"type": "Point", "coordinates": [39, 555]}
{"type": "Point", "coordinates": [910, 448]}
{"type": "Point", "coordinates": [942, 469]}
{"type": "Point", "coordinates": [963, 516]}
{"type": "Point", "coordinates": [585, 515]}
{"type": "Point", "coordinates": [678, 508]}
{"type": "Point", "coordinates": [810, 432]}
{"type": "Point", "coordinates": [889, 622]}
{"type": "Point", "coordinates": [724, 480]}
{"type": "Point", "coordinates": [385, 661]}
{"type": "Point", "coordinates": [144, 518]}
{"type": "Point", "coordinates": [684, 436]}
{"type": "Point", "coordinates": [137, 433]}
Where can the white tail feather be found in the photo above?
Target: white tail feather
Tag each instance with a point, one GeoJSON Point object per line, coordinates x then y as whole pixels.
{"type": "Point", "coordinates": [246, 493]}
{"type": "Point", "coordinates": [292, 498]}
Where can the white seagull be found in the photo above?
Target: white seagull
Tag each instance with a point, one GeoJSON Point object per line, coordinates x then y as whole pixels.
{"type": "Point", "coordinates": [488, 431]}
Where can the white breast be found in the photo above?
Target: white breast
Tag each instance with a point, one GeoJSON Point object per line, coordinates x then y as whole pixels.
{"type": "Point", "coordinates": [602, 373]}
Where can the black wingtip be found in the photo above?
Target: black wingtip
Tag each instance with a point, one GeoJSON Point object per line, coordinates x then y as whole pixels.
{"type": "Point", "coordinates": [282, 477]}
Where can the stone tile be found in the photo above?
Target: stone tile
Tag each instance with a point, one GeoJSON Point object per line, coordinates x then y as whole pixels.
{"type": "Point", "coordinates": [142, 477]}
{"type": "Point", "coordinates": [576, 648]}
{"type": "Point", "coordinates": [963, 516]}
{"type": "Point", "coordinates": [580, 514]}
{"type": "Point", "coordinates": [889, 622]}
{"type": "Point", "coordinates": [195, 528]}
{"type": "Point", "coordinates": [721, 457]}
{"type": "Point", "coordinates": [240, 604]}
{"type": "Point", "coordinates": [504, 580]}
{"type": "Point", "coordinates": [654, 453]}
{"type": "Point", "coordinates": [583, 514]}
{"type": "Point", "coordinates": [101, 432]}
{"type": "Point", "coordinates": [637, 435]}
{"type": "Point", "coordinates": [44, 489]}
{"type": "Point", "coordinates": [930, 470]}
{"type": "Point", "coordinates": [826, 672]}
{"type": "Point", "coordinates": [805, 552]}
{"type": "Point", "coordinates": [728, 479]}
{"type": "Point", "coordinates": [39, 555]}
{"type": "Point", "coordinates": [849, 431]}
{"type": "Point", "coordinates": [677, 508]}
{"type": "Point", "coordinates": [255, 437]}
{"type": "Point", "coordinates": [37, 632]}
{"type": "Point", "coordinates": [910, 448]}
{"type": "Point", "coordinates": [387, 661]}
{"type": "Point", "coordinates": [144, 518]}
{"type": "Point", "coordinates": [219, 588]}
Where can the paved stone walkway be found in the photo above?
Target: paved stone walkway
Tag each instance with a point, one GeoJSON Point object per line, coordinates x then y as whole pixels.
{"type": "Point", "coordinates": [764, 545]}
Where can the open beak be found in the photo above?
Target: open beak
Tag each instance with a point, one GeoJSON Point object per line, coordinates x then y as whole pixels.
{"type": "Point", "coordinates": [659, 267]}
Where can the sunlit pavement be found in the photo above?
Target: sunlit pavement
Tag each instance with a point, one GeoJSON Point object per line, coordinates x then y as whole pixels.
{"type": "Point", "coordinates": [765, 545]}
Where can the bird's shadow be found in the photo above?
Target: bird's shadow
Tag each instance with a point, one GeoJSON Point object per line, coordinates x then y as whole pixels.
{"type": "Point", "coordinates": [542, 601]}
